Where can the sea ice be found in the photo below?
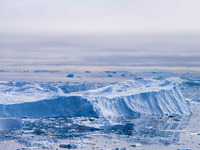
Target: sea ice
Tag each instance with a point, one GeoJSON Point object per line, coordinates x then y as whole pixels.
{"type": "Point", "coordinates": [132, 98]}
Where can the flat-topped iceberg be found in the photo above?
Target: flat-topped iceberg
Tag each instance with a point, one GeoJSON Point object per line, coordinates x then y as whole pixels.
{"type": "Point", "coordinates": [141, 96]}
{"type": "Point", "coordinates": [125, 99]}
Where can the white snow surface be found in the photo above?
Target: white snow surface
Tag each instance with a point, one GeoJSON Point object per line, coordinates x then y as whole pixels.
{"type": "Point", "coordinates": [15, 92]}
{"type": "Point", "coordinates": [149, 96]}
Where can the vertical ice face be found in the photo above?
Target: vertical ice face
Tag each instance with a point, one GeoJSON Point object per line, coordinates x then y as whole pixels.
{"type": "Point", "coordinates": [143, 96]}
{"type": "Point", "coordinates": [126, 99]}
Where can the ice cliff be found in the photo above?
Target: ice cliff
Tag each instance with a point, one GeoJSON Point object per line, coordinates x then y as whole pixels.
{"type": "Point", "coordinates": [126, 99]}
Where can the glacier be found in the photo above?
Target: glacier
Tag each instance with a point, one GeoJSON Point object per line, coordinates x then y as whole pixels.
{"type": "Point", "coordinates": [148, 96]}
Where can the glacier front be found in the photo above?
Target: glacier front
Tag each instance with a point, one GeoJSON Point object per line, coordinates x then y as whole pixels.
{"type": "Point", "coordinates": [149, 96]}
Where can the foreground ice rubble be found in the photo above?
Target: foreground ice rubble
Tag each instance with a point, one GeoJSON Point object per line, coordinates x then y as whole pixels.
{"type": "Point", "coordinates": [127, 99]}
{"type": "Point", "coordinates": [67, 117]}
{"type": "Point", "coordinates": [51, 133]}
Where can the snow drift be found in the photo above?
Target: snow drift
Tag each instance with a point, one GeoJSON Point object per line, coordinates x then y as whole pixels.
{"type": "Point", "coordinates": [126, 99]}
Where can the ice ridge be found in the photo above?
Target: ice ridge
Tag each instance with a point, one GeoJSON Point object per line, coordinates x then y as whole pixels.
{"type": "Point", "coordinates": [126, 99]}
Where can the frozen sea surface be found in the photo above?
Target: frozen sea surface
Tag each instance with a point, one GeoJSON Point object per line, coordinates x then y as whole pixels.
{"type": "Point", "coordinates": [84, 132]}
{"type": "Point", "coordinates": [166, 116]}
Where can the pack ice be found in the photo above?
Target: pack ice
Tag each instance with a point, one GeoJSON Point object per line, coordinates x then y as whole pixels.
{"type": "Point", "coordinates": [126, 99]}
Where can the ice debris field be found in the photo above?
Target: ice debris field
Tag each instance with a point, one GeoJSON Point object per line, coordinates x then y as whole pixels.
{"type": "Point", "coordinates": [135, 113]}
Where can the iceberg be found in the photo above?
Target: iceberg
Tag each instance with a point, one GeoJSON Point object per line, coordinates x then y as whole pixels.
{"type": "Point", "coordinates": [10, 124]}
{"type": "Point", "coordinates": [149, 96]}
{"type": "Point", "coordinates": [138, 97]}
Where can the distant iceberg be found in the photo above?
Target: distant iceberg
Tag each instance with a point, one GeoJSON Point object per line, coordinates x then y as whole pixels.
{"type": "Point", "coordinates": [126, 99]}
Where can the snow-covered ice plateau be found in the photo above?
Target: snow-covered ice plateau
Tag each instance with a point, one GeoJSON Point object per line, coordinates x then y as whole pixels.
{"type": "Point", "coordinates": [148, 96]}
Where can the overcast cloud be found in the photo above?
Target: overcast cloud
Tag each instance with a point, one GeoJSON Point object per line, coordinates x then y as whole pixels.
{"type": "Point", "coordinates": [97, 16]}
{"type": "Point", "coordinates": [75, 32]}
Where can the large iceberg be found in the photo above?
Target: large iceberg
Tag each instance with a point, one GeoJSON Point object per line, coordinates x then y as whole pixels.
{"type": "Point", "coordinates": [125, 99]}
{"type": "Point", "coordinates": [140, 96]}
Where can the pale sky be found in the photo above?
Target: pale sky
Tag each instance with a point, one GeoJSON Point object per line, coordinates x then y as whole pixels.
{"type": "Point", "coordinates": [99, 16]}
{"type": "Point", "coordinates": [100, 32]}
